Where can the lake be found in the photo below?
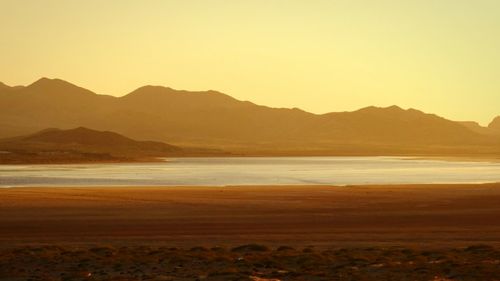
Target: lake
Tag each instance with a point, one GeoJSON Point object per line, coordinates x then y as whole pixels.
{"type": "Point", "coordinates": [254, 171]}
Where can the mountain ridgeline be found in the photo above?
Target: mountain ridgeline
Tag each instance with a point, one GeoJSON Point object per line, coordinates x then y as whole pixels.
{"type": "Point", "coordinates": [215, 120]}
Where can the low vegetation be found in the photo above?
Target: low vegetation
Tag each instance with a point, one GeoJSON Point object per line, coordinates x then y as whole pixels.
{"type": "Point", "coordinates": [248, 262]}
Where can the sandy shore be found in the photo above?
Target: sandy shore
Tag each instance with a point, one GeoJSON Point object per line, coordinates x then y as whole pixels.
{"type": "Point", "coordinates": [274, 215]}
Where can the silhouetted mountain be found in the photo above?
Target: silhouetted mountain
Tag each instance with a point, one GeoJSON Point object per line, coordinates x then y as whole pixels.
{"type": "Point", "coordinates": [81, 144]}
{"type": "Point", "coordinates": [492, 129]}
{"type": "Point", "coordinates": [213, 119]}
{"type": "Point", "coordinates": [3, 86]}
{"type": "Point", "coordinates": [58, 87]}
{"type": "Point", "coordinates": [86, 137]}
{"type": "Point", "coordinates": [495, 125]}
{"type": "Point", "coordinates": [476, 127]}
{"type": "Point", "coordinates": [396, 125]}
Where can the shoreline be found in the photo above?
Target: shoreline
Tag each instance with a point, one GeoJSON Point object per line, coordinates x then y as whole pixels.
{"type": "Point", "coordinates": [211, 186]}
{"type": "Point", "coordinates": [263, 187]}
{"type": "Point", "coordinates": [161, 159]}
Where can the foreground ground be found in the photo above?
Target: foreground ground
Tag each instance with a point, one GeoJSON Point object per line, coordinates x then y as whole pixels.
{"type": "Point", "coordinates": [294, 215]}
{"type": "Point", "coordinates": [249, 262]}
{"type": "Point", "coordinates": [413, 232]}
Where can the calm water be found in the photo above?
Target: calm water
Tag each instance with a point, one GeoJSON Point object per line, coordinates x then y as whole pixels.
{"type": "Point", "coordinates": [248, 170]}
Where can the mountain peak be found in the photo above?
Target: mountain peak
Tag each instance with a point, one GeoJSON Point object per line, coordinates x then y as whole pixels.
{"type": "Point", "coordinates": [48, 82]}
{"type": "Point", "coordinates": [151, 89]}
{"type": "Point", "coordinates": [159, 92]}
{"type": "Point", "coordinates": [495, 124]}
{"type": "Point", "coordinates": [56, 86]}
{"type": "Point", "coordinates": [392, 108]}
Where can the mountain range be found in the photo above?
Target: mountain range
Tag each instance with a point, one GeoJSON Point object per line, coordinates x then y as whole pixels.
{"type": "Point", "coordinates": [215, 120]}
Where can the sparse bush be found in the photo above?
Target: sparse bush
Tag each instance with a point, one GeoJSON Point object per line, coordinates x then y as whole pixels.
{"type": "Point", "coordinates": [250, 248]}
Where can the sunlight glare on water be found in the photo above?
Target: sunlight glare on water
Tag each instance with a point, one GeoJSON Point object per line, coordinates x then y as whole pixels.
{"type": "Point", "coordinates": [254, 171]}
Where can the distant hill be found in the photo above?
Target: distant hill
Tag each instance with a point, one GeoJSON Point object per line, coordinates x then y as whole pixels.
{"type": "Point", "coordinates": [84, 145]}
{"type": "Point", "coordinates": [476, 127]}
{"type": "Point", "coordinates": [492, 129]}
{"type": "Point", "coordinates": [494, 126]}
{"type": "Point", "coordinates": [213, 119]}
{"type": "Point", "coordinates": [3, 86]}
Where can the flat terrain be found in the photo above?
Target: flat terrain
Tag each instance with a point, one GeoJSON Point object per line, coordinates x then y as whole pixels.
{"type": "Point", "coordinates": [432, 215]}
{"type": "Point", "coordinates": [264, 233]}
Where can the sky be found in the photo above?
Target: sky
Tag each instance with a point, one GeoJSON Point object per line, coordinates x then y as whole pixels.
{"type": "Point", "coordinates": [439, 56]}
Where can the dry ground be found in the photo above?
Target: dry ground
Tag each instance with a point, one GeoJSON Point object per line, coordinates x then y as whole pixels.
{"type": "Point", "coordinates": [454, 215]}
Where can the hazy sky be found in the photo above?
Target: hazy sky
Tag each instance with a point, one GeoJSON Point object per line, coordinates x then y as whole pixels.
{"type": "Point", "coordinates": [440, 56]}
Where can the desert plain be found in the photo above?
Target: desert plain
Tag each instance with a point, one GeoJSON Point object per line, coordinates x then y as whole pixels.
{"type": "Point", "coordinates": [222, 216]}
{"type": "Point", "coordinates": [399, 232]}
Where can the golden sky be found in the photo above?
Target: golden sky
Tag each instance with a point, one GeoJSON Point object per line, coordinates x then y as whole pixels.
{"type": "Point", "coordinates": [440, 56]}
